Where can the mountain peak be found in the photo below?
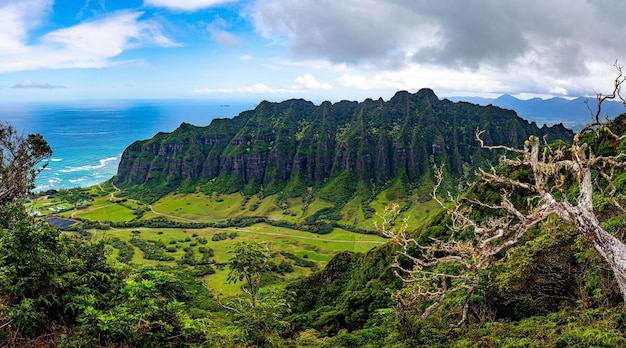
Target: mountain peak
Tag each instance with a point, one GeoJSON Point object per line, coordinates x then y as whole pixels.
{"type": "Point", "coordinates": [427, 92]}
{"type": "Point", "coordinates": [508, 97]}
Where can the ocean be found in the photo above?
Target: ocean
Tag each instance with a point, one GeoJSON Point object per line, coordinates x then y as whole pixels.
{"type": "Point", "coordinates": [88, 137]}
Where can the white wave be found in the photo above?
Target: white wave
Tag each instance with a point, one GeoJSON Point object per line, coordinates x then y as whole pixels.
{"type": "Point", "coordinates": [102, 164]}
{"type": "Point", "coordinates": [73, 181]}
{"type": "Point", "coordinates": [56, 159]}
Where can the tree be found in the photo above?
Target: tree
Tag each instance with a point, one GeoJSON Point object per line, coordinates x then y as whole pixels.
{"type": "Point", "coordinates": [58, 289]}
{"type": "Point", "coordinates": [261, 318]}
{"type": "Point", "coordinates": [27, 248]}
{"type": "Point", "coordinates": [250, 261]}
{"type": "Point", "coordinates": [18, 157]}
{"type": "Point", "coordinates": [538, 182]}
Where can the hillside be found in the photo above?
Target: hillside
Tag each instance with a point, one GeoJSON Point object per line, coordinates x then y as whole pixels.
{"type": "Point", "coordinates": [335, 149]}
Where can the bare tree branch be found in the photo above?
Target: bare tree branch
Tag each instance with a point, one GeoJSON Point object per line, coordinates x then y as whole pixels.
{"type": "Point", "coordinates": [560, 183]}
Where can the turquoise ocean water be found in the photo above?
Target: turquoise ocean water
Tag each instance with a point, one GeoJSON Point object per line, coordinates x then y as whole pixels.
{"type": "Point", "coordinates": [88, 137]}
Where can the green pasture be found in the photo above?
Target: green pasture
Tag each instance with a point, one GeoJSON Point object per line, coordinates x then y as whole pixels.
{"type": "Point", "coordinates": [198, 207]}
{"type": "Point", "coordinates": [313, 247]}
{"type": "Point", "coordinates": [265, 205]}
{"type": "Point", "coordinates": [111, 212]}
{"type": "Point", "coordinates": [201, 207]}
{"type": "Point", "coordinates": [417, 214]}
{"type": "Point", "coordinates": [315, 205]}
{"type": "Point", "coordinates": [191, 206]}
{"type": "Point", "coordinates": [353, 214]}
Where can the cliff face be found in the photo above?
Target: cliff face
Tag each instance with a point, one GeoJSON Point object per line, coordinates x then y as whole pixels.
{"type": "Point", "coordinates": [296, 140]}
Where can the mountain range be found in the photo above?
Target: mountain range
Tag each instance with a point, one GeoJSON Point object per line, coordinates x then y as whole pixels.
{"type": "Point", "coordinates": [573, 113]}
{"type": "Point", "coordinates": [335, 150]}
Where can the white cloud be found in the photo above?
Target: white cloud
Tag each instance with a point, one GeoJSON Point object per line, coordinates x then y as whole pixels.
{"type": "Point", "coordinates": [307, 81]}
{"type": "Point", "coordinates": [356, 81]}
{"type": "Point", "coordinates": [185, 5]}
{"type": "Point", "coordinates": [485, 81]}
{"type": "Point", "coordinates": [18, 18]}
{"type": "Point", "coordinates": [31, 84]}
{"type": "Point", "coordinates": [109, 36]}
{"type": "Point", "coordinates": [86, 45]}
{"type": "Point", "coordinates": [302, 83]}
{"type": "Point", "coordinates": [442, 81]}
{"type": "Point", "coordinates": [258, 88]}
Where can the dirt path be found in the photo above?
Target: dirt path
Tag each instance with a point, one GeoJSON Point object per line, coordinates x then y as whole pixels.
{"type": "Point", "coordinates": [89, 210]}
{"type": "Point", "coordinates": [112, 197]}
{"type": "Point", "coordinates": [117, 189]}
{"type": "Point", "coordinates": [245, 230]}
{"type": "Point", "coordinates": [304, 237]}
{"type": "Point", "coordinates": [268, 233]}
{"type": "Point", "coordinates": [171, 216]}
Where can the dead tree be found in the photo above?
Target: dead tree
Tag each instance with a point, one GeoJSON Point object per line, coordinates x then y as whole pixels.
{"type": "Point", "coordinates": [560, 182]}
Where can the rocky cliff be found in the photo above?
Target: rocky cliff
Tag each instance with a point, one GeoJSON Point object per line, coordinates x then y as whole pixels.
{"type": "Point", "coordinates": [306, 145]}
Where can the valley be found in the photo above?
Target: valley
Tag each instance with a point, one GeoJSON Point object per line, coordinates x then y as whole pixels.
{"type": "Point", "coordinates": [103, 215]}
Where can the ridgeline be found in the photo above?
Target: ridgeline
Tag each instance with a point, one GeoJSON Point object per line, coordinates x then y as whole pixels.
{"type": "Point", "coordinates": [336, 149]}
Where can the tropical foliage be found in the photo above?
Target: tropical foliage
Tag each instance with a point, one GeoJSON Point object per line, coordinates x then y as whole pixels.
{"type": "Point", "coordinates": [65, 289]}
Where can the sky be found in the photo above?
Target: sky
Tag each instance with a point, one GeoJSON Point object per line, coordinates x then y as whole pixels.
{"type": "Point", "coordinates": [312, 49]}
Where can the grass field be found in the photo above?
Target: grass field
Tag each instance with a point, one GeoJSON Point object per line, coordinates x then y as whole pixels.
{"type": "Point", "coordinates": [111, 212]}
{"type": "Point", "coordinates": [105, 205]}
{"type": "Point", "coordinates": [198, 207]}
{"type": "Point", "coordinates": [317, 248]}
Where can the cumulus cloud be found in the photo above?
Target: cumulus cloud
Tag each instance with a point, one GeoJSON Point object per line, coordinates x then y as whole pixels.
{"type": "Point", "coordinates": [356, 81]}
{"type": "Point", "coordinates": [561, 37]}
{"type": "Point", "coordinates": [18, 18]}
{"type": "Point", "coordinates": [307, 81]}
{"type": "Point", "coordinates": [31, 84]}
{"type": "Point", "coordinates": [466, 82]}
{"type": "Point", "coordinates": [89, 44]}
{"type": "Point", "coordinates": [345, 31]}
{"type": "Point", "coordinates": [185, 5]}
{"type": "Point", "coordinates": [109, 36]}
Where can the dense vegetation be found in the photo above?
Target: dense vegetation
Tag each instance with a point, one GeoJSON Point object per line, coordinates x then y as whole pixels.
{"type": "Point", "coordinates": [336, 150]}
{"type": "Point", "coordinates": [142, 283]}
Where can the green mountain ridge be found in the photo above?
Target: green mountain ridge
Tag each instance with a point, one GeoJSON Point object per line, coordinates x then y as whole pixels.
{"type": "Point", "coordinates": [295, 145]}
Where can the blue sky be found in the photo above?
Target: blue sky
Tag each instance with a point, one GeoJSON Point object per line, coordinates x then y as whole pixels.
{"type": "Point", "coordinates": [314, 49]}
